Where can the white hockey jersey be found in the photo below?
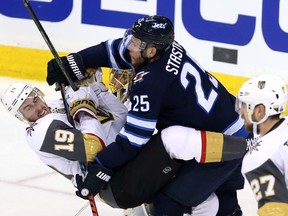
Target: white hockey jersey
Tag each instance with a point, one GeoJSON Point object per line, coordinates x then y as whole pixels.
{"type": "Point", "coordinates": [266, 170]}
{"type": "Point", "coordinates": [62, 147]}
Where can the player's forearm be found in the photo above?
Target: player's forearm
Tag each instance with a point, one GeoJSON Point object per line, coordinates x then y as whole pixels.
{"type": "Point", "coordinates": [93, 136]}
{"type": "Point", "coordinates": [217, 147]}
{"type": "Point", "coordinates": [90, 125]}
{"type": "Point", "coordinates": [110, 103]}
{"type": "Point", "coordinates": [94, 56]}
{"type": "Point", "coordinates": [100, 54]}
{"type": "Point", "coordinates": [187, 143]}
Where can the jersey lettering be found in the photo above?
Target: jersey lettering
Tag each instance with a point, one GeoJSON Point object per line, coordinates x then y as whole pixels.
{"type": "Point", "coordinates": [205, 102]}
{"type": "Point", "coordinates": [65, 137]}
{"type": "Point", "coordinates": [174, 61]}
{"type": "Point", "coordinates": [141, 103]}
{"type": "Point", "coordinates": [66, 147]}
{"type": "Point", "coordinates": [258, 184]}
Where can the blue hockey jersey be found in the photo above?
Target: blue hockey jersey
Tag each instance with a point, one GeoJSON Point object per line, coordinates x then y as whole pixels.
{"type": "Point", "coordinates": [173, 90]}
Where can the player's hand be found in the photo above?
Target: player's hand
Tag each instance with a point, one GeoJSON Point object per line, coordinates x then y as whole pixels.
{"type": "Point", "coordinates": [96, 178]}
{"type": "Point", "coordinates": [83, 100]}
{"type": "Point", "coordinates": [73, 64]}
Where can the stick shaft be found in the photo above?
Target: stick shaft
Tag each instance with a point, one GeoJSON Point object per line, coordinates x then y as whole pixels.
{"type": "Point", "coordinates": [93, 205]}
{"type": "Point", "coordinates": [57, 58]}
{"type": "Point", "coordinates": [49, 43]}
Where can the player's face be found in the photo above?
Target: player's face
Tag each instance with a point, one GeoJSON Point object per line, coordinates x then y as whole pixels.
{"type": "Point", "coordinates": [135, 51]}
{"type": "Point", "coordinates": [244, 115]}
{"type": "Point", "coordinates": [34, 108]}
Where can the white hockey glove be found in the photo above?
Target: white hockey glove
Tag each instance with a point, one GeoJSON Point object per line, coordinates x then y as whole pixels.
{"type": "Point", "coordinates": [84, 100]}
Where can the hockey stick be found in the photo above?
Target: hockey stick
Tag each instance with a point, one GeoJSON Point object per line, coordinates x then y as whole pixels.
{"type": "Point", "coordinates": [93, 205]}
{"type": "Point", "coordinates": [61, 86]}
{"type": "Point", "coordinates": [49, 44]}
{"type": "Point", "coordinates": [56, 56]}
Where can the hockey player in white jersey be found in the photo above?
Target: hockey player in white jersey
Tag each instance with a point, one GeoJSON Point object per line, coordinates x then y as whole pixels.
{"type": "Point", "coordinates": [98, 116]}
{"type": "Point", "coordinates": [261, 100]}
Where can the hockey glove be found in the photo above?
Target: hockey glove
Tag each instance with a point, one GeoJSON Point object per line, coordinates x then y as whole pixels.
{"type": "Point", "coordinates": [96, 178]}
{"type": "Point", "coordinates": [82, 100]}
{"type": "Point", "coordinates": [73, 64]}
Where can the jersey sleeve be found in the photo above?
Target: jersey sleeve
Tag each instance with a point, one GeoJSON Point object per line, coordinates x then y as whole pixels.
{"type": "Point", "coordinates": [112, 115]}
{"type": "Point", "coordinates": [65, 167]}
{"type": "Point", "coordinates": [59, 138]}
{"type": "Point", "coordinates": [71, 143]}
{"type": "Point", "coordinates": [111, 53]}
{"type": "Point", "coordinates": [184, 143]}
{"type": "Point", "coordinates": [217, 147]}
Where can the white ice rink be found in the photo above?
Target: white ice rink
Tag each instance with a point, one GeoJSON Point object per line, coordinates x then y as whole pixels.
{"type": "Point", "coordinates": [30, 188]}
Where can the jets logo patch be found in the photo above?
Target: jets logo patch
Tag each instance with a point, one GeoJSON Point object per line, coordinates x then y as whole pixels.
{"type": "Point", "coordinates": [139, 76]}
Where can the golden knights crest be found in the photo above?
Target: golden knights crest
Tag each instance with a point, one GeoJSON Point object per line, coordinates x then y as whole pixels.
{"type": "Point", "coordinates": [261, 84]}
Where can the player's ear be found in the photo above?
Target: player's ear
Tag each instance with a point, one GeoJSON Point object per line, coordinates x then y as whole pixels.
{"type": "Point", "coordinates": [151, 51]}
{"type": "Point", "coordinates": [259, 111]}
{"type": "Point", "coordinates": [262, 107]}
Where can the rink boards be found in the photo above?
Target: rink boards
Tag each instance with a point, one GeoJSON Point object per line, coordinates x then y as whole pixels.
{"type": "Point", "coordinates": [27, 63]}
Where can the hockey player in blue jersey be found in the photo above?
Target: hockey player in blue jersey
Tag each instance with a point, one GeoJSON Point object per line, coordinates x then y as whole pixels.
{"type": "Point", "coordinates": [169, 88]}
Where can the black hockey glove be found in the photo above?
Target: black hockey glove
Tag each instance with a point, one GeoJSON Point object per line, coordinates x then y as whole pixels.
{"type": "Point", "coordinates": [73, 64]}
{"type": "Point", "coordinates": [93, 182]}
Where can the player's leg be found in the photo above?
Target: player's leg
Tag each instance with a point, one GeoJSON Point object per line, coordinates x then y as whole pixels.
{"type": "Point", "coordinates": [195, 182]}
{"type": "Point", "coordinates": [227, 194]}
{"type": "Point", "coordinates": [228, 198]}
{"type": "Point", "coordinates": [164, 205]}
{"type": "Point", "coordinates": [139, 180]}
{"type": "Point", "coordinates": [207, 208]}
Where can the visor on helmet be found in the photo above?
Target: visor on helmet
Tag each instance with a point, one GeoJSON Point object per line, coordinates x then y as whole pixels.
{"type": "Point", "coordinates": [28, 107]}
{"type": "Point", "coordinates": [238, 105]}
{"type": "Point", "coordinates": [131, 43]}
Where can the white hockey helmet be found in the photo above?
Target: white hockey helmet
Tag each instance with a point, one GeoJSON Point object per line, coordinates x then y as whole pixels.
{"type": "Point", "coordinates": [15, 95]}
{"type": "Point", "coordinates": [268, 90]}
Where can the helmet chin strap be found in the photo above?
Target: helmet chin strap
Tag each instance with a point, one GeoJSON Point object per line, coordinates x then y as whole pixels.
{"type": "Point", "coordinates": [255, 129]}
{"type": "Point", "coordinates": [256, 124]}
